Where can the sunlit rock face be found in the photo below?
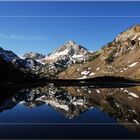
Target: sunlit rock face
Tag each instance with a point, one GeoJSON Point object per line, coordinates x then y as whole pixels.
{"type": "Point", "coordinates": [121, 57]}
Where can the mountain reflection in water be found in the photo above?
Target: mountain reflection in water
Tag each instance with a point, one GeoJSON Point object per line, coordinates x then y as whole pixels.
{"type": "Point", "coordinates": [121, 104]}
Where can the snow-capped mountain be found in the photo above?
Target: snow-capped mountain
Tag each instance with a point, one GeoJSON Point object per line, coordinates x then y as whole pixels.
{"type": "Point", "coordinates": [71, 52]}
{"type": "Point", "coordinates": [68, 54]}
{"type": "Point", "coordinates": [27, 64]}
{"type": "Point", "coordinates": [14, 68]}
{"type": "Point", "coordinates": [63, 57]}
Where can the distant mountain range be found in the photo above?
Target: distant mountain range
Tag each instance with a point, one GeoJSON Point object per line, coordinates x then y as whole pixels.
{"type": "Point", "coordinates": [121, 57]}
{"type": "Point", "coordinates": [62, 58]}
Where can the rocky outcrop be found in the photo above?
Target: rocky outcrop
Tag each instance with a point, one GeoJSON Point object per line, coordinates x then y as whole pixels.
{"type": "Point", "coordinates": [34, 55]}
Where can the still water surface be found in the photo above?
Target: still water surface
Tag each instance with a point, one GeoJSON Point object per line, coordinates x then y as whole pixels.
{"type": "Point", "coordinates": [70, 112]}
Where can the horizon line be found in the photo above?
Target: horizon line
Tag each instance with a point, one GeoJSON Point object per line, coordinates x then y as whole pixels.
{"type": "Point", "coordinates": [68, 16]}
{"type": "Point", "coordinates": [69, 1]}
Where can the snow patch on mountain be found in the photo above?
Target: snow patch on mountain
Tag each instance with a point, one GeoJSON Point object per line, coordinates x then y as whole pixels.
{"type": "Point", "coordinates": [133, 95]}
{"type": "Point", "coordinates": [57, 54]}
{"type": "Point", "coordinates": [133, 64]}
{"type": "Point", "coordinates": [92, 73]}
{"type": "Point", "coordinates": [97, 68]}
{"type": "Point", "coordinates": [85, 72]}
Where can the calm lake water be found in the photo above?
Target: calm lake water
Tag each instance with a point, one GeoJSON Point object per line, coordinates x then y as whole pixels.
{"type": "Point", "coordinates": [70, 112]}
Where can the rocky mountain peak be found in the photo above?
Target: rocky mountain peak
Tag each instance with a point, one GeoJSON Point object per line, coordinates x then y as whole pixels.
{"type": "Point", "coordinates": [7, 55]}
{"type": "Point", "coordinates": [34, 55]}
{"type": "Point", "coordinates": [73, 45]}
{"type": "Point", "coordinates": [70, 43]}
{"type": "Point", "coordinates": [136, 28]}
{"type": "Point", "coordinates": [133, 33]}
{"type": "Point", "coordinates": [126, 42]}
{"type": "Point", "coordinates": [69, 49]}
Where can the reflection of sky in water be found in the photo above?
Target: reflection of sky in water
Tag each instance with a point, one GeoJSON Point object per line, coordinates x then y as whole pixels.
{"type": "Point", "coordinates": [47, 114]}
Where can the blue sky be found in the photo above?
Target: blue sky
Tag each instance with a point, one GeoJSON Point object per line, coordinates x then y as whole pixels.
{"type": "Point", "coordinates": [44, 26]}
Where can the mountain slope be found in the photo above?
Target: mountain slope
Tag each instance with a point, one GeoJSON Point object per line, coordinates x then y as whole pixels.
{"type": "Point", "coordinates": [121, 57]}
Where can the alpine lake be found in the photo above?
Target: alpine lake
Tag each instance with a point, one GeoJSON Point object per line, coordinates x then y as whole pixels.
{"type": "Point", "coordinates": [50, 111]}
